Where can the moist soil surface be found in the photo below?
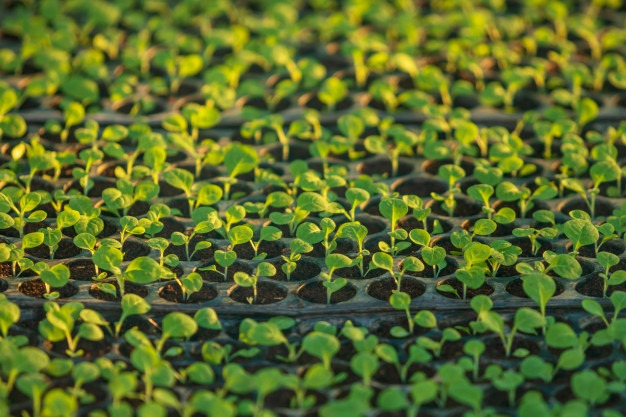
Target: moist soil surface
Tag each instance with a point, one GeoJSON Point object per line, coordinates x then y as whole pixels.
{"type": "Point", "coordinates": [315, 292]}
{"type": "Point", "coordinates": [173, 293]}
{"type": "Point", "coordinates": [383, 288]}
{"type": "Point", "coordinates": [485, 289]}
{"type": "Point", "coordinates": [129, 287]}
{"type": "Point", "coordinates": [37, 288]}
{"type": "Point", "coordinates": [267, 293]}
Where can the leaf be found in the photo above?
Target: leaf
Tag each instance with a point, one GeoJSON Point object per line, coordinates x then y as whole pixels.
{"type": "Point", "coordinates": [143, 270]}
{"type": "Point", "coordinates": [566, 266]}
{"type": "Point", "coordinates": [32, 240]}
{"type": "Point", "coordinates": [207, 319]}
{"type": "Point", "coordinates": [580, 232]}
{"type": "Point", "coordinates": [484, 227]}
{"type": "Point", "coordinates": [179, 325]}
{"type": "Point", "coordinates": [383, 260]}
{"type": "Point", "coordinates": [240, 234]}
{"type": "Point", "coordinates": [209, 195]}
{"type": "Point", "coordinates": [312, 202]}
{"type": "Point", "coordinates": [561, 336]}
{"type": "Point", "coordinates": [225, 258]}
{"type": "Point", "coordinates": [400, 300]}
{"type": "Point", "coordinates": [476, 253]}
{"type": "Point", "coordinates": [393, 208]}
{"type": "Point", "coordinates": [593, 307]}
{"type": "Point", "coordinates": [108, 258]}
{"type": "Point", "coordinates": [179, 178]}
{"type": "Point", "coordinates": [133, 304]}
{"type": "Point", "coordinates": [420, 237]}
{"type": "Point", "coordinates": [57, 276]}
{"type": "Point", "coordinates": [240, 159]}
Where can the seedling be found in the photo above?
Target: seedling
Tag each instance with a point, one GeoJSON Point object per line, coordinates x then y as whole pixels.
{"type": "Point", "coordinates": [608, 260]}
{"type": "Point", "coordinates": [55, 276]}
{"type": "Point", "coordinates": [424, 318]}
{"type": "Point", "coordinates": [62, 321]}
{"type": "Point", "coordinates": [264, 269]}
{"type": "Point", "coordinates": [385, 261]}
{"type": "Point", "coordinates": [393, 209]}
{"type": "Point", "coordinates": [603, 171]}
{"type": "Point", "coordinates": [451, 174]}
{"type": "Point", "coordinates": [507, 191]}
{"type": "Point", "coordinates": [526, 320]}
{"type": "Point", "coordinates": [141, 270]}
{"type": "Point", "coordinates": [296, 248]}
{"type": "Point", "coordinates": [335, 261]}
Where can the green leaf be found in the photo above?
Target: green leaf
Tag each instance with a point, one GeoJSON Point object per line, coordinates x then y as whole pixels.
{"type": "Point", "coordinates": [143, 270]}
{"type": "Point", "coordinates": [179, 178]}
{"type": "Point", "coordinates": [179, 325]}
{"type": "Point", "coordinates": [476, 253]}
{"type": "Point", "coordinates": [561, 336]}
{"type": "Point", "coordinates": [240, 234]}
{"type": "Point", "coordinates": [566, 266]}
{"type": "Point", "coordinates": [32, 240]}
{"type": "Point", "coordinates": [108, 258]}
{"type": "Point", "coordinates": [383, 260]}
{"type": "Point", "coordinates": [57, 276]}
{"type": "Point", "coordinates": [581, 232]}
{"type": "Point", "coordinates": [484, 227]}
{"type": "Point", "coordinates": [400, 300]}
{"type": "Point", "coordinates": [420, 237]}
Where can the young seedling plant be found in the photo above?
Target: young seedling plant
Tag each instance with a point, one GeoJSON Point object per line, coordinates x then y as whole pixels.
{"type": "Point", "coordinates": [242, 279]}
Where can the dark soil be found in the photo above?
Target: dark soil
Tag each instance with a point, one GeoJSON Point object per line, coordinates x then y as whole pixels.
{"type": "Point", "coordinates": [37, 288]}
{"type": "Point", "coordinates": [594, 287]}
{"type": "Point", "coordinates": [201, 255]}
{"type": "Point", "coordinates": [296, 151]}
{"type": "Point", "coordinates": [170, 225]}
{"type": "Point", "coordinates": [272, 249]}
{"type": "Point", "coordinates": [304, 270]}
{"type": "Point", "coordinates": [615, 247]}
{"type": "Point", "coordinates": [108, 229]}
{"type": "Point", "coordinates": [4, 285]}
{"type": "Point", "coordinates": [428, 270]}
{"type": "Point", "coordinates": [344, 246]}
{"type": "Point", "coordinates": [6, 270]}
{"type": "Point", "coordinates": [485, 289]}
{"type": "Point", "coordinates": [382, 167]}
{"type": "Point", "coordinates": [215, 276]}
{"type": "Point", "coordinates": [516, 288]}
{"type": "Point", "coordinates": [421, 187]}
{"type": "Point", "coordinates": [495, 349]}
{"type": "Point", "coordinates": [526, 246]}
{"type": "Point", "coordinates": [82, 269]}
{"type": "Point", "coordinates": [432, 166]}
{"type": "Point", "coordinates": [383, 288]}
{"type": "Point", "coordinates": [373, 224]}
{"type": "Point", "coordinates": [316, 104]}
{"type": "Point", "coordinates": [133, 249]}
{"type": "Point", "coordinates": [129, 287]}
{"type": "Point", "coordinates": [353, 272]}
{"type": "Point", "coordinates": [66, 249]}
{"type": "Point", "coordinates": [28, 228]}
{"type": "Point", "coordinates": [604, 207]}
{"type": "Point", "coordinates": [172, 292]}
{"type": "Point", "coordinates": [100, 184]}
{"type": "Point", "coordinates": [315, 292]}
{"type": "Point", "coordinates": [267, 293]}
{"type": "Point", "coordinates": [388, 374]}
{"type": "Point", "coordinates": [537, 205]}
{"type": "Point", "coordinates": [464, 207]}
{"type": "Point", "coordinates": [92, 350]}
{"type": "Point", "coordinates": [409, 223]}
{"type": "Point", "coordinates": [501, 229]}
